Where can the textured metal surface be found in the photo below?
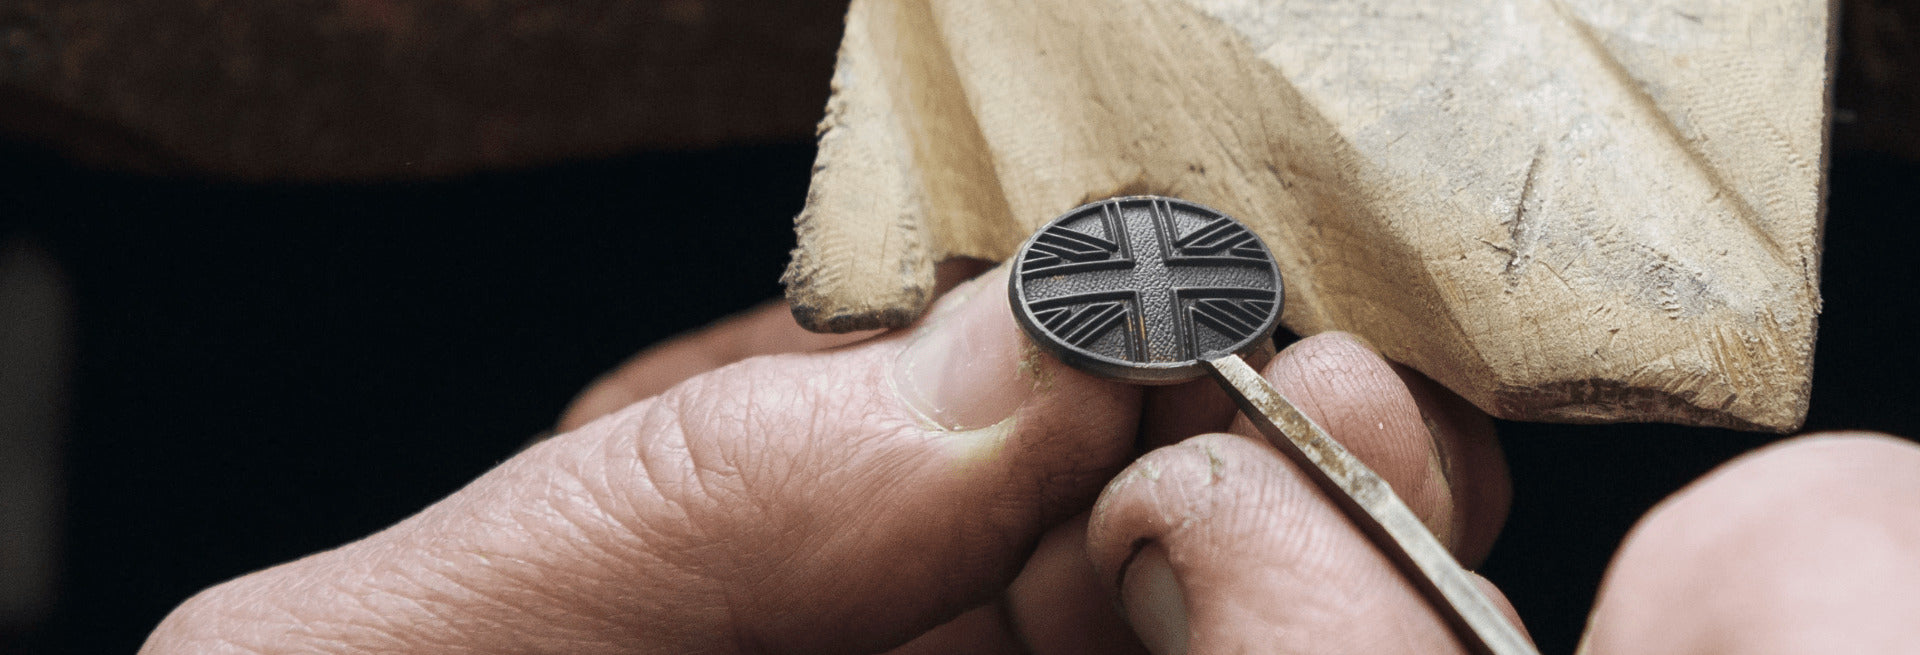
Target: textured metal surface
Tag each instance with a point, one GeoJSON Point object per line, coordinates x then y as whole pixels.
{"type": "Point", "coordinates": [1143, 288]}
{"type": "Point", "coordinates": [1373, 507]}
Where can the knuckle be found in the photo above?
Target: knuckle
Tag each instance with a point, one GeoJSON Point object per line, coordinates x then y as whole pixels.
{"type": "Point", "coordinates": [1817, 528]}
{"type": "Point", "coordinates": [741, 454]}
{"type": "Point", "coordinates": [1185, 485]}
{"type": "Point", "coordinates": [1358, 398]}
{"type": "Point", "coordinates": [1809, 501]}
{"type": "Point", "coordinates": [1811, 479]}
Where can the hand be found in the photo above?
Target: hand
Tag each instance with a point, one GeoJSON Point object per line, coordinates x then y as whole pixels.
{"type": "Point", "coordinates": [841, 501]}
{"type": "Point", "coordinates": [852, 499]}
{"type": "Point", "coordinates": [1807, 546]}
{"type": "Point", "coordinates": [1798, 548]}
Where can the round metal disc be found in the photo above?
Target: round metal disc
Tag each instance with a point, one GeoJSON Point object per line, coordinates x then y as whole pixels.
{"type": "Point", "coordinates": [1143, 288]}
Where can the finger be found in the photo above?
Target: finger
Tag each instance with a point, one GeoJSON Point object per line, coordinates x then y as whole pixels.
{"type": "Point", "coordinates": [766, 329]}
{"type": "Point", "coordinates": [1470, 461]}
{"type": "Point", "coordinates": [1274, 515]}
{"type": "Point", "coordinates": [837, 501]}
{"type": "Point", "coordinates": [1170, 414]}
{"type": "Point", "coordinates": [1436, 451]}
{"type": "Point", "coordinates": [983, 630]}
{"type": "Point", "coordinates": [1803, 547]}
{"type": "Point", "coordinates": [1471, 492]}
{"type": "Point", "coordinates": [1061, 606]}
{"type": "Point", "coordinates": [1057, 606]}
{"type": "Point", "coordinates": [1219, 544]}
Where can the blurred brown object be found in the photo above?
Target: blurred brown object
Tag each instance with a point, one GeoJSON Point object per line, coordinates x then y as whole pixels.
{"type": "Point", "coordinates": [1877, 95]}
{"type": "Point", "coordinates": [36, 360]}
{"type": "Point", "coordinates": [354, 89]}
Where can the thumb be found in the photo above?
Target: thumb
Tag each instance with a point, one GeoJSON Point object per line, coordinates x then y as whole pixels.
{"type": "Point", "coordinates": [843, 500]}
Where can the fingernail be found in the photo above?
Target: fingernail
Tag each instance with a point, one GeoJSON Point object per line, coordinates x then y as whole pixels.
{"type": "Point", "coordinates": [962, 371]}
{"type": "Point", "coordinates": [1156, 606]}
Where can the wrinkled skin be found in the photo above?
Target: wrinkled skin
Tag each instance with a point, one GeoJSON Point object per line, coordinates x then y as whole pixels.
{"type": "Point", "coordinates": [753, 487]}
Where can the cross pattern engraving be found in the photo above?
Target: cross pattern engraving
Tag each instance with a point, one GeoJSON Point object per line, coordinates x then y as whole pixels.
{"type": "Point", "coordinates": [1148, 280]}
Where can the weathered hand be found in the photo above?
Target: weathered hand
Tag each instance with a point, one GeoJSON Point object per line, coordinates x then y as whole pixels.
{"type": "Point", "coordinates": [841, 501]}
{"type": "Point", "coordinates": [1059, 604]}
{"type": "Point", "coordinates": [1218, 542]}
{"type": "Point", "coordinates": [754, 487]}
{"type": "Point", "coordinates": [850, 499]}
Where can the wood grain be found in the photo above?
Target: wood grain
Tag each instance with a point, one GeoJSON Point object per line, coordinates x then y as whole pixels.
{"type": "Point", "coordinates": [1586, 210]}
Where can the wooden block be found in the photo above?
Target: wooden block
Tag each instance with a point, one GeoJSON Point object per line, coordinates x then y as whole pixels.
{"type": "Point", "coordinates": [1584, 210]}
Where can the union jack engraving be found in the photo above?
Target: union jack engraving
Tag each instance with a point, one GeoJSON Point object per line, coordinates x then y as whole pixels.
{"type": "Point", "coordinates": [1082, 320]}
{"type": "Point", "coordinates": [1222, 237]}
{"type": "Point", "coordinates": [1232, 313]}
{"type": "Point", "coordinates": [1147, 281]}
{"type": "Point", "coordinates": [1065, 249]}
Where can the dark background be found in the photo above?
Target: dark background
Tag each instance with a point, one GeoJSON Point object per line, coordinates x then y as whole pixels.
{"type": "Point", "coordinates": [265, 371]}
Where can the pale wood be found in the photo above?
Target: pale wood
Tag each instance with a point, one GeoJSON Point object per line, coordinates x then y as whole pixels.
{"type": "Point", "coordinates": [1589, 210]}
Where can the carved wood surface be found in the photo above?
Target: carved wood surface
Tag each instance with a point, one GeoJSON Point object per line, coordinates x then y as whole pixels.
{"type": "Point", "coordinates": [1574, 210]}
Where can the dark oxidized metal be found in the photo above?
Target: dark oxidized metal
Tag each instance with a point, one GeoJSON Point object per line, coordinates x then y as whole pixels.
{"type": "Point", "coordinates": [1159, 290]}
{"type": "Point", "coordinates": [1145, 288]}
